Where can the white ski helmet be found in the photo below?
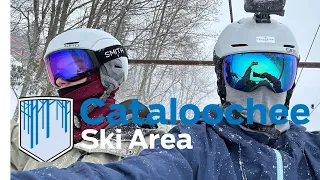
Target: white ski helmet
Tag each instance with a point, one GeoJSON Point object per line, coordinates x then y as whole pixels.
{"type": "Point", "coordinates": [114, 72]}
{"type": "Point", "coordinates": [247, 35]}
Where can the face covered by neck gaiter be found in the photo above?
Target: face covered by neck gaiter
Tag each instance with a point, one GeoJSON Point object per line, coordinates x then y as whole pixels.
{"type": "Point", "coordinates": [79, 93]}
{"type": "Point", "coordinates": [261, 95]}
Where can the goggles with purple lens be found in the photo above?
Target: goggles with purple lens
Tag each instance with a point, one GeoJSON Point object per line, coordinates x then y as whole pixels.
{"type": "Point", "coordinates": [75, 64]}
{"type": "Point", "coordinates": [247, 71]}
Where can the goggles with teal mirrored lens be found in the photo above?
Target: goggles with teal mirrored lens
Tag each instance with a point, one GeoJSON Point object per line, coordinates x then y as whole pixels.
{"type": "Point", "coordinates": [247, 71]}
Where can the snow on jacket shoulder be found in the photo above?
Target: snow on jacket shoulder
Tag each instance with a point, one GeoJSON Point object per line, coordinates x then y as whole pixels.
{"type": "Point", "coordinates": [219, 152]}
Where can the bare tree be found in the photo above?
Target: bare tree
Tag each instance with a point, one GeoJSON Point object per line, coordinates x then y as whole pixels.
{"type": "Point", "coordinates": [149, 29]}
{"type": "Point", "coordinates": [171, 32]}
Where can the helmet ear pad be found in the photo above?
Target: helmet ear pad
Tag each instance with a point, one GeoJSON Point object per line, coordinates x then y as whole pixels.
{"type": "Point", "coordinates": [112, 74]}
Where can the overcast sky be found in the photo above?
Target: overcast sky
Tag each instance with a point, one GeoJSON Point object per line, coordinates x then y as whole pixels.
{"type": "Point", "coordinates": [302, 17]}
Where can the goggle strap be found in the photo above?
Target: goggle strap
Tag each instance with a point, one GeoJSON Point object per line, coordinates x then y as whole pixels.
{"type": "Point", "coordinates": [110, 53]}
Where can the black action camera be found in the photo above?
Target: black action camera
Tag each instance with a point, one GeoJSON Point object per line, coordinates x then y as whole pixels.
{"type": "Point", "coordinates": [264, 8]}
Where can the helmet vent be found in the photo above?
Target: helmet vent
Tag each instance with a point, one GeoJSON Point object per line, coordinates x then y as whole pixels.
{"type": "Point", "coordinates": [289, 46]}
{"type": "Point", "coordinates": [239, 45]}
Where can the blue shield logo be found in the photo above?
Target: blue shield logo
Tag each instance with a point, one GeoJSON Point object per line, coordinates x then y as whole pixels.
{"type": "Point", "coordinates": [46, 127]}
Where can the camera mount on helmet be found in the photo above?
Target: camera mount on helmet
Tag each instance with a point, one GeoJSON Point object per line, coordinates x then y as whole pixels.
{"type": "Point", "coordinates": [264, 8]}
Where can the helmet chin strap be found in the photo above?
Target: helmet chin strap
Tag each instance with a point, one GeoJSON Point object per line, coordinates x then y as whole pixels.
{"type": "Point", "coordinates": [261, 95]}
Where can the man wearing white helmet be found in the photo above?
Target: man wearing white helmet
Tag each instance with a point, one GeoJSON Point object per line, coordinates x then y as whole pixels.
{"type": "Point", "coordinates": [85, 63]}
{"type": "Point", "coordinates": [253, 60]}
